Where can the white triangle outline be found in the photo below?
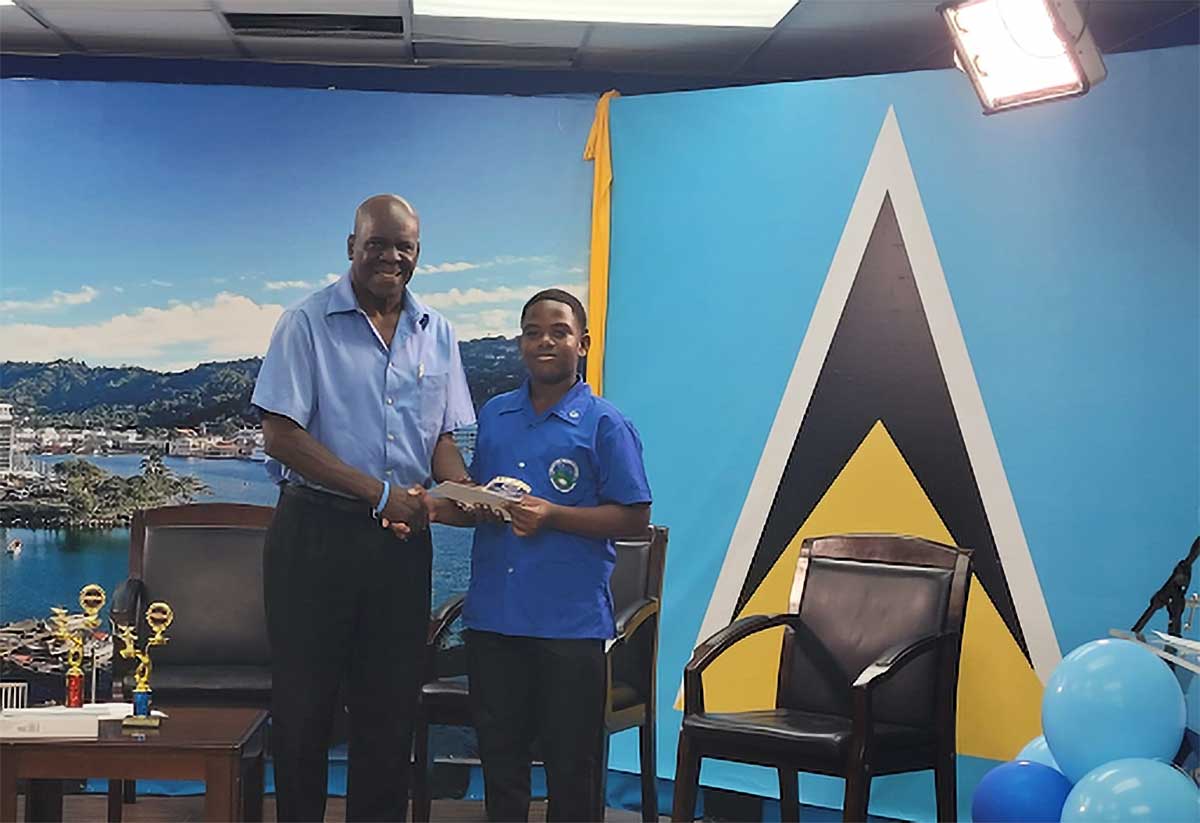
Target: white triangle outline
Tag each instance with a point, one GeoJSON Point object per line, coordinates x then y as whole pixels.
{"type": "Point", "coordinates": [889, 171]}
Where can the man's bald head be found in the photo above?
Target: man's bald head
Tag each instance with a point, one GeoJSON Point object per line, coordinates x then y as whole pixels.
{"type": "Point", "coordinates": [383, 249]}
{"type": "Point", "coordinates": [392, 205]}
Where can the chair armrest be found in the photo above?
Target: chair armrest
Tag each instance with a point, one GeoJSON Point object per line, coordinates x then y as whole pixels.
{"type": "Point", "coordinates": [899, 656]}
{"type": "Point", "coordinates": [443, 617]}
{"type": "Point", "coordinates": [888, 663]}
{"type": "Point", "coordinates": [124, 606]}
{"type": "Point", "coordinates": [735, 632]}
{"type": "Point", "coordinates": [631, 617]}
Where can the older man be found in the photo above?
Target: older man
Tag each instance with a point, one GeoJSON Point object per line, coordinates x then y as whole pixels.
{"type": "Point", "coordinates": [360, 390]}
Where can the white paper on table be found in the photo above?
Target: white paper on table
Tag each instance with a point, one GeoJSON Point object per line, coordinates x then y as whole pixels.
{"type": "Point", "coordinates": [102, 711]}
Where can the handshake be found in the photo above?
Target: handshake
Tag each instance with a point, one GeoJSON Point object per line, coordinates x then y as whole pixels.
{"type": "Point", "coordinates": [501, 500]}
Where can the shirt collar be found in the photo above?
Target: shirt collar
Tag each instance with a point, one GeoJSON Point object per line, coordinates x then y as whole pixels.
{"type": "Point", "coordinates": [570, 407]}
{"type": "Point", "coordinates": [342, 299]}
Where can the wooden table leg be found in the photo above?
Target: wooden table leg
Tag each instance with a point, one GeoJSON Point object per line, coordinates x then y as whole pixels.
{"type": "Point", "coordinates": [8, 793]}
{"type": "Point", "coordinates": [115, 791]}
{"type": "Point", "coordinates": [252, 790]}
{"type": "Point", "coordinates": [44, 802]}
{"type": "Point", "coordinates": [222, 789]}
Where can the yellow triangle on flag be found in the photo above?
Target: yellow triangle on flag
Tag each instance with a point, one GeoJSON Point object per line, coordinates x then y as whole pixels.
{"type": "Point", "coordinates": [999, 695]}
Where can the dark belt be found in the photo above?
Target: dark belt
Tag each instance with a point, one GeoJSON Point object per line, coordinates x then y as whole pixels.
{"type": "Point", "coordinates": [325, 499]}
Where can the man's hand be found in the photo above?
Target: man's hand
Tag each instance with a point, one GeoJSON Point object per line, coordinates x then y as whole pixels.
{"type": "Point", "coordinates": [530, 515]}
{"type": "Point", "coordinates": [406, 511]}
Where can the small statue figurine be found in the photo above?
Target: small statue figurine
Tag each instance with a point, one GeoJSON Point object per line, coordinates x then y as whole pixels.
{"type": "Point", "coordinates": [73, 630]}
{"type": "Point", "coordinates": [158, 617]}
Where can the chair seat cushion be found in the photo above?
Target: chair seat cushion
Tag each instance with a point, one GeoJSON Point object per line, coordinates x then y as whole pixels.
{"type": "Point", "coordinates": [200, 679]}
{"type": "Point", "coordinates": [624, 696]}
{"type": "Point", "coordinates": [447, 688]}
{"type": "Point", "coordinates": [800, 734]}
{"type": "Point", "coordinates": [452, 692]}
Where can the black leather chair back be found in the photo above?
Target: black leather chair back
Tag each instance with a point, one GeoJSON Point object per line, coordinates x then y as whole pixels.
{"type": "Point", "coordinates": [861, 609]}
{"type": "Point", "coordinates": [637, 576]}
{"type": "Point", "coordinates": [212, 578]}
{"type": "Point", "coordinates": [630, 574]}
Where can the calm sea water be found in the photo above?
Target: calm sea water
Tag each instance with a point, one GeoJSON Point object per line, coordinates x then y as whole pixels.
{"type": "Point", "coordinates": [54, 564]}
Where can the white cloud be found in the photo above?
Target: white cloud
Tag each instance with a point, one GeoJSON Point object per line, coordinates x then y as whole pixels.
{"type": "Point", "coordinates": [501, 260]}
{"type": "Point", "coordinates": [86, 294]}
{"type": "Point", "coordinates": [508, 260]}
{"type": "Point", "coordinates": [119, 289]}
{"type": "Point", "coordinates": [441, 268]}
{"type": "Point", "coordinates": [487, 323]}
{"type": "Point", "coordinates": [225, 327]}
{"type": "Point", "coordinates": [277, 285]}
{"type": "Point", "coordinates": [503, 294]}
{"type": "Point", "coordinates": [162, 283]}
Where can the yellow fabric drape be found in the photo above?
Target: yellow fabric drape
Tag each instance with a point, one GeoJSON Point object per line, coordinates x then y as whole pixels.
{"type": "Point", "coordinates": [599, 151]}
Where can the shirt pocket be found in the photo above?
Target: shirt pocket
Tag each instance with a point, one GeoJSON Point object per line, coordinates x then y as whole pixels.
{"type": "Point", "coordinates": [568, 476]}
{"type": "Point", "coordinates": [432, 395]}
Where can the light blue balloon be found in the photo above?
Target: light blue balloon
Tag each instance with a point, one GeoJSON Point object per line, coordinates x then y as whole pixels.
{"type": "Point", "coordinates": [1109, 700]}
{"type": "Point", "coordinates": [1133, 790]}
{"type": "Point", "coordinates": [1038, 751]}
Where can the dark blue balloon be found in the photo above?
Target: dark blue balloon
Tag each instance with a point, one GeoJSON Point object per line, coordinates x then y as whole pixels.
{"type": "Point", "coordinates": [1020, 792]}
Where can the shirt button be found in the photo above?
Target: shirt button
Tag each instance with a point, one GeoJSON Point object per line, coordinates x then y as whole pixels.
{"type": "Point", "coordinates": [521, 465]}
{"type": "Point", "coordinates": [510, 571]}
{"type": "Point", "coordinates": [391, 437]}
{"type": "Point", "coordinates": [389, 401]}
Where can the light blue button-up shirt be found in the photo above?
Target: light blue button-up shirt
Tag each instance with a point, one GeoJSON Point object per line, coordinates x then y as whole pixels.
{"type": "Point", "coordinates": [378, 408]}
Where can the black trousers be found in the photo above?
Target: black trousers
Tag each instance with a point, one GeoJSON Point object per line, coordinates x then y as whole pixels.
{"type": "Point", "coordinates": [527, 688]}
{"type": "Point", "coordinates": [347, 603]}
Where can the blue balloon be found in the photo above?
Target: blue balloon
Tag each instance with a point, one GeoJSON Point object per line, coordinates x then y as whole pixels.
{"type": "Point", "coordinates": [1038, 751]}
{"type": "Point", "coordinates": [1020, 792]}
{"type": "Point", "coordinates": [1109, 700]}
{"type": "Point", "coordinates": [1133, 790]}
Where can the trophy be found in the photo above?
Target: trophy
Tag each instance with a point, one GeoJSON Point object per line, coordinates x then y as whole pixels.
{"type": "Point", "coordinates": [73, 629]}
{"type": "Point", "coordinates": [158, 618]}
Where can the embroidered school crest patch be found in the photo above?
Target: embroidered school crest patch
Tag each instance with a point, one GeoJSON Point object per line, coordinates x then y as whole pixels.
{"type": "Point", "coordinates": [564, 474]}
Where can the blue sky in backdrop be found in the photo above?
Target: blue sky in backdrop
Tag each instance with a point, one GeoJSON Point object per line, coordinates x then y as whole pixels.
{"type": "Point", "coordinates": [164, 226]}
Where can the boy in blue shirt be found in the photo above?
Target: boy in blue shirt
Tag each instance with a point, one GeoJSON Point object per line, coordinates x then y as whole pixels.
{"type": "Point", "coordinates": [539, 609]}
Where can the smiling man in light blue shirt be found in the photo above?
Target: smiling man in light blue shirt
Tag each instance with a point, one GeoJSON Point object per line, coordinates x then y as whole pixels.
{"type": "Point", "coordinates": [361, 390]}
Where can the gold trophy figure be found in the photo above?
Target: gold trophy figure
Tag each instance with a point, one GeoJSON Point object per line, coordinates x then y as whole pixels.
{"type": "Point", "coordinates": [158, 617]}
{"type": "Point", "coordinates": [73, 630]}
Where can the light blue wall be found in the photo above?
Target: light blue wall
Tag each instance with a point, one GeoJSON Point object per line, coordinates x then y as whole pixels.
{"type": "Point", "coordinates": [1070, 238]}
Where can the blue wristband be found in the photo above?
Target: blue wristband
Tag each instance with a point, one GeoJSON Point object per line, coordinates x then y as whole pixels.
{"type": "Point", "coordinates": [383, 499]}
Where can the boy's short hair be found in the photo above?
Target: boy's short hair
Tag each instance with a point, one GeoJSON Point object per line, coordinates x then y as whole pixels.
{"type": "Point", "coordinates": [560, 296]}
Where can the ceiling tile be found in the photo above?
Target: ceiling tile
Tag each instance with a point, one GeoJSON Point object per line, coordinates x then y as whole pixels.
{"type": "Point", "coordinates": [332, 50]}
{"type": "Point", "coordinates": [380, 7]}
{"type": "Point", "coordinates": [514, 32]}
{"type": "Point", "coordinates": [149, 32]}
{"type": "Point", "coordinates": [20, 32]}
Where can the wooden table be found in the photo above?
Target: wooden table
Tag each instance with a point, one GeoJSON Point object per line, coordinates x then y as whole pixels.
{"type": "Point", "coordinates": [224, 747]}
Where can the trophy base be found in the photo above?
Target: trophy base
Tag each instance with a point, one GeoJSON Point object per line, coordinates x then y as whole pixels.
{"type": "Point", "coordinates": [135, 721]}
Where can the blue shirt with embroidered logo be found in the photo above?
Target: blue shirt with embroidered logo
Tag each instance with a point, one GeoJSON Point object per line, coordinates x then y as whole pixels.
{"type": "Point", "coordinates": [378, 408]}
{"type": "Point", "coordinates": [581, 452]}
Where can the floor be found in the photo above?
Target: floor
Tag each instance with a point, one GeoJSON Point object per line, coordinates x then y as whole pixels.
{"type": "Point", "coordinates": [89, 807]}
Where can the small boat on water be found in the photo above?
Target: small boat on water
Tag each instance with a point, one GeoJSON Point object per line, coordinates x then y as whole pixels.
{"type": "Point", "coordinates": [14, 547]}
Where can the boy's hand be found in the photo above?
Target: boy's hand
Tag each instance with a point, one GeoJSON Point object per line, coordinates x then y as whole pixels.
{"type": "Point", "coordinates": [484, 514]}
{"type": "Point", "coordinates": [530, 515]}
